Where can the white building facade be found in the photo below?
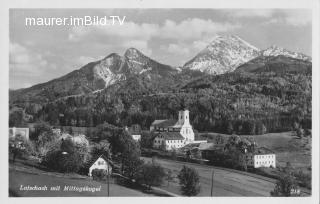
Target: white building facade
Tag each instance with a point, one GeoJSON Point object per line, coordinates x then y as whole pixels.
{"type": "Point", "coordinates": [22, 132]}
{"type": "Point", "coordinates": [264, 160]}
{"type": "Point", "coordinates": [136, 137]}
{"type": "Point", "coordinates": [185, 127]}
{"type": "Point", "coordinates": [100, 163]}
{"type": "Point", "coordinates": [168, 141]}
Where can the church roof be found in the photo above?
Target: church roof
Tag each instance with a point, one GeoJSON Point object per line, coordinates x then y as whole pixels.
{"type": "Point", "coordinates": [164, 123]}
{"type": "Point", "coordinates": [171, 135]}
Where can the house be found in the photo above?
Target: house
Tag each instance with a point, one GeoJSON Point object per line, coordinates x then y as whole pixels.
{"type": "Point", "coordinates": [22, 132]}
{"type": "Point", "coordinates": [135, 131]}
{"type": "Point", "coordinates": [262, 157]}
{"type": "Point", "coordinates": [100, 162]}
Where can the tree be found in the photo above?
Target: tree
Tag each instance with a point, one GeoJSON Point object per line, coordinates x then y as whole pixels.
{"type": "Point", "coordinates": [169, 176]}
{"type": "Point", "coordinates": [230, 128]}
{"type": "Point", "coordinates": [146, 139]}
{"type": "Point", "coordinates": [19, 147]}
{"type": "Point", "coordinates": [101, 148]}
{"type": "Point", "coordinates": [219, 139]}
{"type": "Point", "coordinates": [151, 174]}
{"type": "Point", "coordinates": [285, 186]}
{"type": "Point", "coordinates": [16, 117]}
{"type": "Point", "coordinates": [299, 132]}
{"type": "Point", "coordinates": [67, 158]}
{"type": "Point", "coordinates": [40, 128]}
{"type": "Point", "coordinates": [189, 181]}
{"type": "Point", "coordinates": [46, 142]}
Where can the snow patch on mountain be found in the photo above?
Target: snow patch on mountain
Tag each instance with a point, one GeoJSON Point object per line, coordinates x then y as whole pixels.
{"type": "Point", "coordinates": [276, 51]}
{"type": "Point", "coordinates": [102, 71]}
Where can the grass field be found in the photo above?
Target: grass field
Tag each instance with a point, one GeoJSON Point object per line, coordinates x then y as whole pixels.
{"type": "Point", "coordinates": [226, 183]}
{"type": "Point", "coordinates": [22, 175]}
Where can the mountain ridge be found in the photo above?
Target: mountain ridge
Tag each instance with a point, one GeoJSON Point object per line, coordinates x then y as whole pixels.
{"type": "Point", "coordinates": [230, 53]}
{"type": "Point", "coordinates": [226, 53]}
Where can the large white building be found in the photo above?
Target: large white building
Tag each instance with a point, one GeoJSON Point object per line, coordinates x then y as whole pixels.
{"type": "Point", "coordinates": [262, 157]}
{"type": "Point", "coordinates": [172, 134]}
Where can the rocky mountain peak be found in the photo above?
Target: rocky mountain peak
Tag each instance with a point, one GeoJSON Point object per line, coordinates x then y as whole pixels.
{"type": "Point", "coordinates": [133, 53]}
{"type": "Point", "coordinates": [223, 54]}
{"type": "Point", "coordinates": [276, 51]}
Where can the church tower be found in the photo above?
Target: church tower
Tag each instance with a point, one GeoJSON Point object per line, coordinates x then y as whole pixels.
{"type": "Point", "coordinates": [183, 118]}
{"type": "Point", "coordinates": [186, 129]}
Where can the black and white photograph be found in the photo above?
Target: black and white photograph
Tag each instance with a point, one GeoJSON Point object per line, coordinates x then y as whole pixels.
{"type": "Point", "coordinates": [161, 102]}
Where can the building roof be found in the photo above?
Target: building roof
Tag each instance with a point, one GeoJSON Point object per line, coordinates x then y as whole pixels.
{"type": "Point", "coordinates": [171, 135]}
{"type": "Point", "coordinates": [211, 147]}
{"type": "Point", "coordinates": [156, 122]}
{"type": "Point", "coordinates": [164, 123]}
{"type": "Point", "coordinates": [134, 133]}
{"type": "Point", "coordinates": [263, 150]}
{"type": "Point", "coordinates": [94, 159]}
{"type": "Point", "coordinates": [205, 146]}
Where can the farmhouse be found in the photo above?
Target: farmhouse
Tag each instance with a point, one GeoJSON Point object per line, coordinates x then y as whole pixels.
{"type": "Point", "coordinates": [22, 132]}
{"type": "Point", "coordinates": [173, 134]}
{"type": "Point", "coordinates": [100, 163]}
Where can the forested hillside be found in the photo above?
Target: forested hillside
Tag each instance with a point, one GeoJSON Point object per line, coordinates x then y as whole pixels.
{"type": "Point", "coordinates": [244, 102]}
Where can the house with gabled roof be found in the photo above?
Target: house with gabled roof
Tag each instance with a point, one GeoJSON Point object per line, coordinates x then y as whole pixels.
{"type": "Point", "coordinates": [99, 162]}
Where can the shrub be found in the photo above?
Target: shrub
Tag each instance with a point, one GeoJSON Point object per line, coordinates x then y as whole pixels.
{"type": "Point", "coordinates": [64, 159]}
{"type": "Point", "coordinates": [46, 142]}
{"type": "Point", "coordinates": [284, 187]}
{"type": "Point", "coordinates": [304, 179]}
{"type": "Point", "coordinates": [189, 181]}
{"type": "Point", "coordinates": [19, 147]}
{"type": "Point", "coordinates": [101, 148]}
{"type": "Point", "coordinates": [99, 174]}
{"type": "Point", "coordinates": [151, 174]}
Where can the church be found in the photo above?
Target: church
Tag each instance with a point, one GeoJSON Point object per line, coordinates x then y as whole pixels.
{"type": "Point", "coordinates": [172, 134]}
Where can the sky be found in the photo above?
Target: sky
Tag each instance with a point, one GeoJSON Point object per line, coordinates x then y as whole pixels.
{"type": "Point", "coordinates": [171, 36]}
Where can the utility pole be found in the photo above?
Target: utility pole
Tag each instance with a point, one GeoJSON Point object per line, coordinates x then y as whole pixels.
{"type": "Point", "coordinates": [108, 182]}
{"type": "Point", "coordinates": [212, 183]}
